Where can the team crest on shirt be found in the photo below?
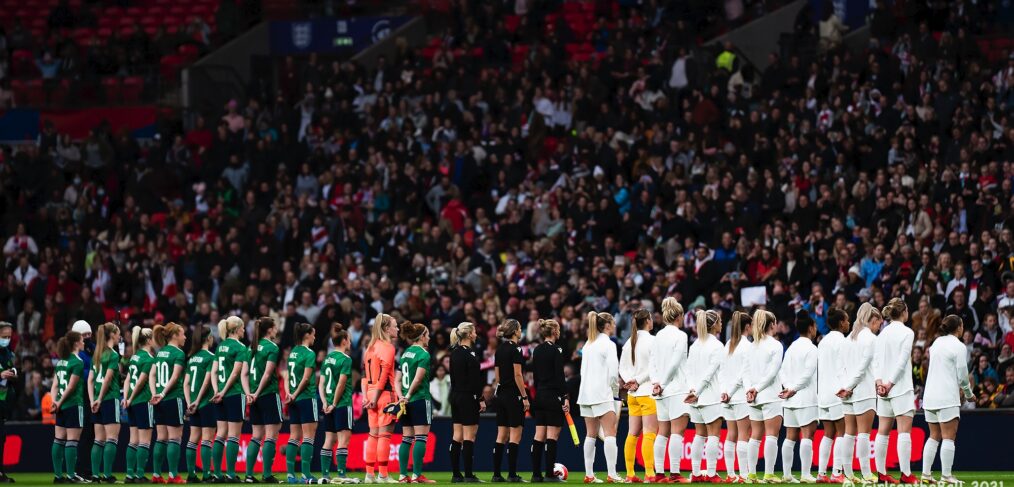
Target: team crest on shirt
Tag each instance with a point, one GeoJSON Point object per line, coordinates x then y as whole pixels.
{"type": "Point", "coordinates": [472, 352]}
{"type": "Point", "coordinates": [559, 349]}
{"type": "Point", "coordinates": [519, 349]}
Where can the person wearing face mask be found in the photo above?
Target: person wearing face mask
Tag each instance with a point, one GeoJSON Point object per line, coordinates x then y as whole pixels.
{"type": "Point", "coordinates": [8, 375]}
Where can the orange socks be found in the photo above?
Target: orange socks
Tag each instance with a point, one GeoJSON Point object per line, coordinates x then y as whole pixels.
{"type": "Point", "coordinates": [371, 454]}
{"type": "Point", "coordinates": [383, 453]}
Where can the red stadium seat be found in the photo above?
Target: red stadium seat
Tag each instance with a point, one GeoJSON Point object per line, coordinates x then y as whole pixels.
{"type": "Point", "coordinates": [169, 67]}
{"type": "Point", "coordinates": [60, 93]}
{"type": "Point", "coordinates": [511, 23]}
{"type": "Point", "coordinates": [36, 93]}
{"type": "Point", "coordinates": [156, 10]}
{"type": "Point", "coordinates": [131, 89]}
{"type": "Point", "coordinates": [111, 88]}
{"type": "Point", "coordinates": [23, 63]}
{"type": "Point", "coordinates": [189, 52]}
{"type": "Point", "coordinates": [20, 89]}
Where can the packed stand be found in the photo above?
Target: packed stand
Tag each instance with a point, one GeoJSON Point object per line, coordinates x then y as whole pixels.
{"type": "Point", "coordinates": [475, 188]}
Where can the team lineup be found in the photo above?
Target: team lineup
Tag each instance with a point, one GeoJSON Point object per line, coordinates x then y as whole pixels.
{"type": "Point", "coordinates": [860, 371]}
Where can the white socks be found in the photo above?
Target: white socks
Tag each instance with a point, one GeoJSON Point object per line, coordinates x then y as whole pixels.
{"type": "Point", "coordinates": [880, 452]}
{"type": "Point", "coordinates": [788, 447]}
{"type": "Point", "coordinates": [611, 452]}
{"type": "Point", "coordinates": [729, 453]}
{"type": "Point", "coordinates": [589, 457]}
{"type": "Point", "coordinates": [659, 450]}
{"type": "Point", "coordinates": [929, 453]}
{"type": "Point", "coordinates": [805, 457]}
{"type": "Point", "coordinates": [696, 452]}
{"type": "Point", "coordinates": [711, 451]}
{"type": "Point", "coordinates": [863, 452]}
{"type": "Point", "coordinates": [742, 454]}
{"type": "Point", "coordinates": [838, 450]}
{"type": "Point", "coordinates": [824, 455]}
{"type": "Point", "coordinates": [905, 453]}
{"type": "Point", "coordinates": [946, 457]}
{"type": "Point", "coordinates": [770, 454]}
{"type": "Point", "coordinates": [675, 453]}
{"type": "Point", "coordinates": [848, 450]}
{"type": "Point", "coordinates": [753, 453]}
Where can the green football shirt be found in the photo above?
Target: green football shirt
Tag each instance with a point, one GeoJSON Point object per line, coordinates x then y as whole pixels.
{"type": "Point", "coordinates": [267, 352]}
{"type": "Point", "coordinates": [336, 365]}
{"type": "Point", "coordinates": [198, 367]}
{"type": "Point", "coordinates": [300, 359]}
{"type": "Point", "coordinates": [165, 361]}
{"type": "Point", "coordinates": [140, 363]}
{"type": "Point", "coordinates": [231, 353]}
{"type": "Point", "coordinates": [110, 361]}
{"type": "Point", "coordinates": [65, 369]}
{"type": "Point", "coordinates": [413, 359]}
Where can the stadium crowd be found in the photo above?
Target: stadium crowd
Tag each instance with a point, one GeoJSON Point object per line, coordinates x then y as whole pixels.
{"type": "Point", "coordinates": [472, 188]}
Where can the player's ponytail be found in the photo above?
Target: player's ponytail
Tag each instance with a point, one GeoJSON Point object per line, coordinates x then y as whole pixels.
{"type": "Point", "coordinates": [338, 333]}
{"type": "Point", "coordinates": [508, 329]}
{"type": "Point", "coordinates": [139, 338]}
{"type": "Point", "coordinates": [707, 322]}
{"type": "Point", "coordinates": [201, 334]}
{"type": "Point", "coordinates": [865, 314]}
{"type": "Point", "coordinates": [642, 318]}
{"type": "Point", "coordinates": [164, 333]}
{"type": "Point", "coordinates": [461, 332]}
{"type": "Point", "coordinates": [261, 328]}
{"type": "Point", "coordinates": [412, 332]}
{"type": "Point", "coordinates": [950, 324]}
{"type": "Point", "coordinates": [597, 323]}
{"type": "Point", "coordinates": [763, 320]}
{"type": "Point", "coordinates": [65, 345]}
{"type": "Point", "coordinates": [740, 321]}
{"type": "Point", "coordinates": [102, 335]}
{"type": "Point", "coordinates": [378, 332]}
{"type": "Point", "coordinates": [300, 331]}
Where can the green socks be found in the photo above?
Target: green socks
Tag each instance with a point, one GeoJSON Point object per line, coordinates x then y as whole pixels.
{"type": "Point", "coordinates": [291, 450]}
{"type": "Point", "coordinates": [157, 457]}
{"type": "Point", "coordinates": [418, 454]}
{"type": "Point", "coordinates": [269, 456]}
{"type": "Point", "coordinates": [206, 458]}
{"type": "Point", "coordinates": [191, 458]}
{"type": "Point", "coordinates": [173, 456]}
{"type": "Point", "coordinates": [142, 460]}
{"type": "Point", "coordinates": [108, 457]}
{"type": "Point", "coordinates": [131, 459]}
{"type": "Point", "coordinates": [98, 448]}
{"type": "Point", "coordinates": [306, 456]}
{"type": "Point", "coordinates": [341, 455]}
{"type": "Point", "coordinates": [252, 449]}
{"type": "Point", "coordinates": [70, 458]}
{"type": "Point", "coordinates": [325, 463]}
{"type": "Point", "coordinates": [403, 452]}
{"type": "Point", "coordinates": [231, 452]}
{"type": "Point", "coordinates": [57, 453]}
{"type": "Point", "coordinates": [217, 452]}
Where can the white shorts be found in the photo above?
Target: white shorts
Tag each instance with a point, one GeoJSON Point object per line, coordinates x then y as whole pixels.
{"type": "Point", "coordinates": [597, 410]}
{"type": "Point", "coordinates": [859, 407]}
{"type": "Point", "coordinates": [672, 407]}
{"type": "Point", "coordinates": [903, 405]}
{"type": "Point", "coordinates": [942, 415]}
{"type": "Point", "coordinates": [764, 412]}
{"type": "Point", "coordinates": [706, 414]}
{"type": "Point", "coordinates": [799, 417]}
{"type": "Point", "coordinates": [736, 412]}
{"type": "Point", "coordinates": [833, 413]}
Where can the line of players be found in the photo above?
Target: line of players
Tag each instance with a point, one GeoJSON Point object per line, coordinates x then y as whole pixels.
{"type": "Point", "coordinates": [859, 371]}
{"type": "Point", "coordinates": [165, 389]}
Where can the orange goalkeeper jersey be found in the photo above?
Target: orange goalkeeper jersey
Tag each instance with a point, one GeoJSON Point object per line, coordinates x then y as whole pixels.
{"type": "Point", "coordinates": [378, 362]}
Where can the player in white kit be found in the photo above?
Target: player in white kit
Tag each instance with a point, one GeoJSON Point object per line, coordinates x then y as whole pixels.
{"type": "Point", "coordinates": [947, 376]}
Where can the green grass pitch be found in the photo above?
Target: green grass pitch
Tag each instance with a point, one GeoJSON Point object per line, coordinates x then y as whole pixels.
{"type": "Point", "coordinates": [971, 479]}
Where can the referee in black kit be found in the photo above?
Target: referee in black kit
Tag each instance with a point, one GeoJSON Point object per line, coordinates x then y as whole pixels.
{"type": "Point", "coordinates": [466, 400]}
{"type": "Point", "coordinates": [550, 400]}
{"type": "Point", "coordinates": [511, 400]}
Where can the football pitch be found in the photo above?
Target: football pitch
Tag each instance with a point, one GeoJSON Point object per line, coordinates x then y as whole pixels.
{"type": "Point", "coordinates": [971, 479]}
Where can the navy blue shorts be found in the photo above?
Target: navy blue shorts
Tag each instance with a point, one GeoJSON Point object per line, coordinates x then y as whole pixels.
{"type": "Point", "coordinates": [169, 412]}
{"type": "Point", "coordinates": [304, 411]}
{"type": "Point", "coordinates": [141, 416]}
{"type": "Point", "coordinates": [70, 417]}
{"type": "Point", "coordinates": [232, 409]}
{"type": "Point", "coordinates": [205, 416]}
{"type": "Point", "coordinates": [338, 420]}
{"type": "Point", "coordinates": [109, 412]}
{"type": "Point", "coordinates": [418, 413]}
{"type": "Point", "coordinates": [267, 409]}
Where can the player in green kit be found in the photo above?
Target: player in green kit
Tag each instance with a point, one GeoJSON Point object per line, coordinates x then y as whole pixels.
{"type": "Point", "coordinates": [137, 393]}
{"type": "Point", "coordinates": [335, 390]}
{"type": "Point", "coordinates": [68, 406]}
{"type": "Point", "coordinates": [304, 411]}
{"type": "Point", "coordinates": [231, 383]}
{"type": "Point", "coordinates": [266, 405]}
{"type": "Point", "coordinates": [197, 393]}
{"type": "Point", "coordinates": [104, 397]}
{"type": "Point", "coordinates": [167, 397]}
{"type": "Point", "coordinates": [413, 376]}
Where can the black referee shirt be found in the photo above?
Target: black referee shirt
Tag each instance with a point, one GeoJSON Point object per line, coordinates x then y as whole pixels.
{"type": "Point", "coordinates": [466, 378]}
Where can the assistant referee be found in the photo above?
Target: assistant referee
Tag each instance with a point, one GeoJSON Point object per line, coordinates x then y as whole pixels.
{"type": "Point", "coordinates": [550, 400]}
{"type": "Point", "coordinates": [466, 400]}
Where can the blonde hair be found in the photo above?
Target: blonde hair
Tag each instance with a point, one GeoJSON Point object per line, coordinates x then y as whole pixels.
{"type": "Point", "coordinates": [865, 314]}
{"type": "Point", "coordinates": [461, 332]}
{"type": "Point", "coordinates": [548, 328]}
{"type": "Point", "coordinates": [377, 332]}
{"type": "Point", "coordinates": [895, 308]}
{"type": "Point", "coordinates": [672, 310]}
{"type": "Point", "coordinates": [706, 321]}
{"type": "Point", "coordinates": [508, 328]}
{"type": "Point", "coordinates": [164, 333]}
{"type": "Point", "coordinates": [102, 335]}
{"type": "Point", "coordinates": [597, 323]}
{"type": "Point", "coordinates": [740, 320]}
{"type": "Point", "coordinates": [229, 325]}
{"type": "Point", "coordinates": [139, 337]}
{"type": "Point", "coordinates": [762, 320]}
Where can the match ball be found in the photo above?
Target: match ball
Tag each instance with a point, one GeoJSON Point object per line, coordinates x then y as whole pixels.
{"type": "Point", "coordinates": [560, 470]}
